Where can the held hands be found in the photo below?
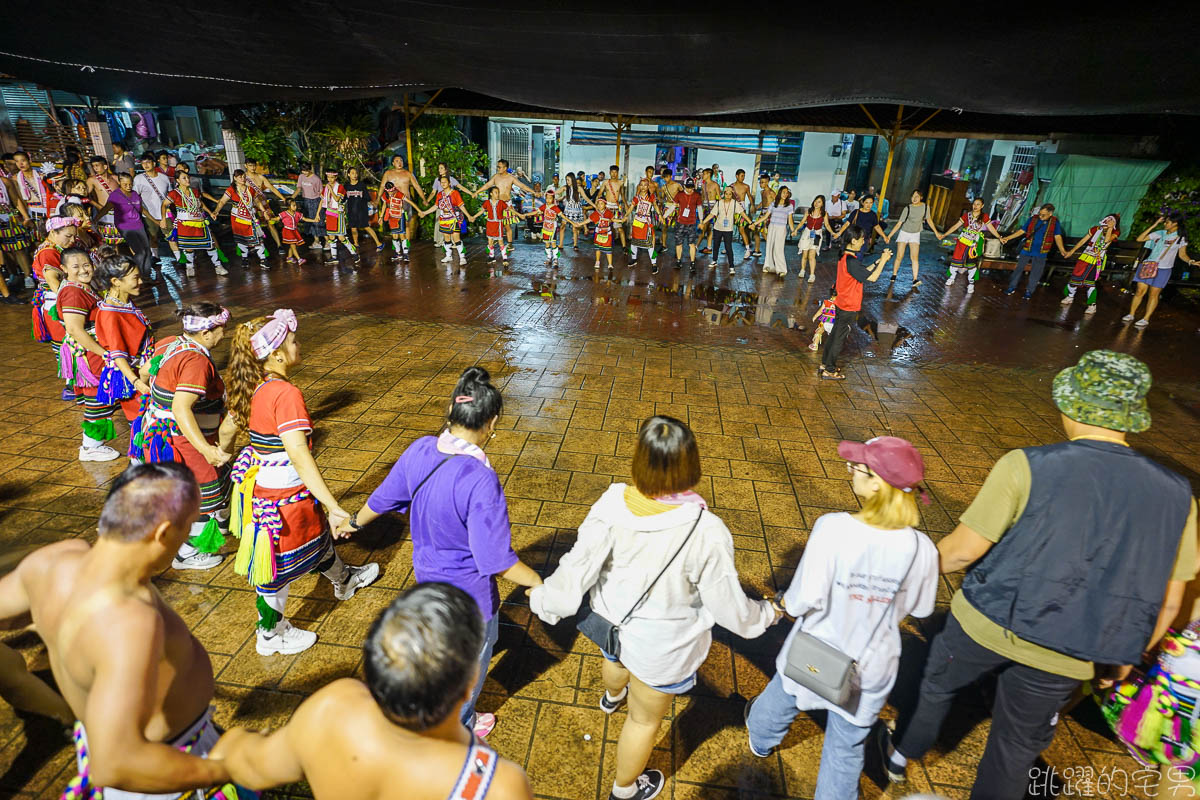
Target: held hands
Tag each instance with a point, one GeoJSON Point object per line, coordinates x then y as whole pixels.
{"type": "Point", "coordinates": [339, 521]}
{"type": "Point", "coordinates": [216, 457]}
{"type": "Point", "coordinates": [886, 254]}
{"type": "Point", "coordinates": [141, 386]}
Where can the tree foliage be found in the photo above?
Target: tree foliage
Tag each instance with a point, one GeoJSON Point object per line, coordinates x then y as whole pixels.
{"type": "Point", "coordinates": [285, 133]}
{"type": "Point", "coordinates": [1177, 189]}
{"type": "Point", "coordinates": [436, 139]}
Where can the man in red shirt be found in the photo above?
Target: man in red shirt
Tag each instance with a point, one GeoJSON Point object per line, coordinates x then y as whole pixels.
{"type": "Point", "coordinates": [851, 275]}
{"type": "Point", "coordinates": [687, 214]}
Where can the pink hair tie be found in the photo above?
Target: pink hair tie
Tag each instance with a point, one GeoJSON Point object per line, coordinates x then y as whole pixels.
{"type": "Point", "coordinates": [464, 398]}
{"type": "Point", "coordinates": [54, 223]}
{"type": "Point", "coordinates": [272, 334]}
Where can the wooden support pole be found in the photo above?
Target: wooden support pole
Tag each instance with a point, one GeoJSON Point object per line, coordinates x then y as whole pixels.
{"type": "Point", "coordinates": [408, 135]}
{"type": "Point", "coordinates": [893, 140]}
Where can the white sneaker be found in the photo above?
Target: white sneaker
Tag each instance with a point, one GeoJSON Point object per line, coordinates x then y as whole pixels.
{"type": "Point", "coordinates": [190, 271]}
{"type": "Point", "coordinates": [285, 638]}
{"type": "Point", "coordinates": [29, 284]}
{"type": "Point", "coordinates": [449, 257]}
{"type": "Point", "coordinates": [1066, 301]}
{"type": "Point", "coordinates": [1127, 318]}
{"type": "Point", "coordinates": [462, 260]}
{"type": "Point", "coordinates": [1090, 309]}
{"type": "Point", "coordinates": [950, 280]}
{"type": "Point", "coordinates": [221, 270]}
{"type": "Point", "coordinates": [357, 578]}
{"type": "Point", "coordinates": [101, 453]}
{"type": "Point", "coordinates": [970, 288]}
{"type": "Point", "coordinates": [812, 277]}
{"type": "Point", "coordinates": [1141, 323]}
{"type": "Point", "coordinates": [196, 560]}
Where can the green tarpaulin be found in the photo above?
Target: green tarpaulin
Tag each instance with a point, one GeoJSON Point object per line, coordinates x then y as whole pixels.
{"type": "Point", "coordinates": [1084, 189]}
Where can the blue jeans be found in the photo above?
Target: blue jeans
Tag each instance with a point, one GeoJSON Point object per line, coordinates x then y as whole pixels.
{"type": "Point", "coordinates": [310, 206]}
{"type": "Point", "coordinates": [1037, 265]}
{"type": "Point", "coordinates": [491, 632]}
{"type": "Point", "coordinates": [841, 755]}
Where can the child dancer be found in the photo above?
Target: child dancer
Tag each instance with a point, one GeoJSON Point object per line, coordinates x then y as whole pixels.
{"type": "Point", "coordinates": [1092, 260]}
{"type": "Point", "coordinates": [290, 220]}
{"type": "Point", "coordinates": [393, 217]}
{"type": "Point", "coordinates": [824, 319]}
{"type": "Point", "coordinates": [552, 218]}
{"type": "Point", "coordinates": [124, 332]}
{"type": "Point", "coordinates": [495, 208]}
{"type": "Point", "coordinates": [333, 203]}
{"type": "Point", "coordinates": [192, 231]}
{"type": "Point", "coordinates": [969, 249]}
{"type": "Point", "coordinates": [449, 207]}
{"type": "Point", "coordinates": [358, 208]}
{"type": "Point", "coordinates": [278, 489]}
{"type": "Point", "coordinates": [605, 220]}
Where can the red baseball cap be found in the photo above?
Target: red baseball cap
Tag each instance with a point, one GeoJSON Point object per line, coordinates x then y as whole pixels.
{"type": "Point", "coordinates": [890, 457]}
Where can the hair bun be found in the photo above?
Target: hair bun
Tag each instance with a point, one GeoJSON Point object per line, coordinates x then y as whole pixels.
{"type": "Point", "coordinates": [474, 375]}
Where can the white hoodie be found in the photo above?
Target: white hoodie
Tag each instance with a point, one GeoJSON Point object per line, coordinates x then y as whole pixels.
{"type": "Point", "coordinates": [618, 554]}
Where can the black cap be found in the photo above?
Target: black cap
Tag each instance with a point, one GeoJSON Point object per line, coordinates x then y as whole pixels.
{"type": "Point", "coordinates": [689, 183]}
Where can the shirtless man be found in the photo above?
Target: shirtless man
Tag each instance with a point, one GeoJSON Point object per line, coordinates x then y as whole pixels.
{"type": "Point", "coordinates": [504, 181]}
{"type": "Point", "coordinates": [742, 193]}
{"type": "Point", "coordinates": [100, 185]}
{"type": "Point", "coordinates": [407, 184]}
{"type": "Point", "coordinates": [670, 188]}
{"type": "Point", "coordinates": [766, 196]}
{"type": "Point", "coordinates": [136, 679]}
{"type": "Point", "coordinates": [398, 735]}
{"type": "Point", "coordinates": [711, 191]}
{"type": "Point", "coordinates": [261, 182]}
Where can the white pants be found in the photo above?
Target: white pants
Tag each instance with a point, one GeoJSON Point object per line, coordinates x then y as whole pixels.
{"type": "Point", "coordinates": [776, 260]}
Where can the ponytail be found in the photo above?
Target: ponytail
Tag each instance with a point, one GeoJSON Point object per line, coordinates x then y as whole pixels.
{"type": "Point", "coordinates": [475, 401]}
{"type": "Point", "coordinates": [245, 371]}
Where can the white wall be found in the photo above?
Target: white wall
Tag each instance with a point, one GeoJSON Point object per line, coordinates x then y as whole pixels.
{"type": "Point", "coordinates": [818, 168]}
{"type": "Point", "coordinates": [729, 162]}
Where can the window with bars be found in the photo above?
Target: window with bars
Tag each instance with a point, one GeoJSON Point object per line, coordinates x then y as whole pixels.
{"type": "Point", "coordinates": [785, 160]}
{"type": "Point", "coordinates": [514, 146]}
{"type": "Point", "coordinates": [1023, 158]}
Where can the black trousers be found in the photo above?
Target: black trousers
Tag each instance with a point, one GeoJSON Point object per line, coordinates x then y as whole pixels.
{"type": "Point", "coordinates": [719, 238]}
{"type": "Point", "coordinates": [1026, 701]}
{"type": "Point", "coordinates": [143, 256]}
{"type": "Point", "coordinates": [842, 323]}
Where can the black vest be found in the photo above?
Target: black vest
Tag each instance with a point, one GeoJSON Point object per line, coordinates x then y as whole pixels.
{"type": "Point", "coordinates": [1084, 569]}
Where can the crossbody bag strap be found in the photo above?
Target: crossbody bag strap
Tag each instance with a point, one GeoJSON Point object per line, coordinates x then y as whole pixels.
{"type": "Point", "coordinates": [888, 607]}
{"type": "Point", "coordinates": [427, 477]}
{"type": "Point", "coordinates": [663, 570]}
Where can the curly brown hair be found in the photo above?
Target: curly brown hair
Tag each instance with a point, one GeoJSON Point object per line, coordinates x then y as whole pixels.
{"type": "Point", "coordinates": [245, 371]}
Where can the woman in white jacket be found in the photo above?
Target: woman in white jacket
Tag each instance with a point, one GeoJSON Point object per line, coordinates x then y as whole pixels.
{"type": "Point", "coordinates": [630, 536]}
{"type": "Point", "coordinates": [860, 575]}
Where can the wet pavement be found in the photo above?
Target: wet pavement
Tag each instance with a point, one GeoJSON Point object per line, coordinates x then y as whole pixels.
{"type": "Point", "coordinates": [581, 357]}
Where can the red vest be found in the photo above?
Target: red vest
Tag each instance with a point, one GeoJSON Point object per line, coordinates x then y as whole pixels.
{"type": "Point", "coordinates": [849, 290]}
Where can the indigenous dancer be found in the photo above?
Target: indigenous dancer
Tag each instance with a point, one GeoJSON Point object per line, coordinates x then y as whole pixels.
{"type": "Point", "coordinates": [333, 203]}
{"type": "Point", "coordinates": [645, 212]}
{"type": "Point", "coordinates": [744, 194]}
{"type": "Point", "coordinates": [86, 238]}
{"type": "Point", "coordinates": [393, 216]}
{"type": "Point", "coordinates": [605, 220]}
{"type": "Point", "coordinates": [358, 211]}
{"type": "Point", "coordinates": [495, 209]}
{"type": "Point", "coordinates": [766, 199]}
{"type": "Point", "coordinates": [450, 210]}
{"type": "Point", "coordinates": [1092, 260]}
{"type": "Point", "coordinates": [186, 422]}
{"type": "Point", "coordinates": [504, 180]}
{"type": "Point", "coordinates": [812, 227]}
{"type": "Point", "coordinates": [552, 217]}
{"type": "Point", "coordinates": [33, 188]}
{"type": "Point", "coordinates": [613, 193]}
{"type": "Point", "coordinates": [81, 358]}
{"type": "Point", "coordinates": [277, 485]}
{"type": "Point", "coordinates": [18, 230]}
{"type": "Point", "coordinates": [243, 219]}
{"type": "Point", "coordinates": [100, 185]}
{"type": "Point", "coordinates": [290, 220]}
{"type": "Point", "coordinates": [192, 231]}
{"type": "Point", "coordinates": [408, 186]}
{"type": "Point", "coordinates": [969, 249]}
{"type": "Point", "coordinates": [124, 333]}
{"type": "Point", "coordinates": [710, 191]}
{"type": "Point", "coordinates": [254, 175]}
{"type": "Point", "coordinates": [824, 318]}
{"type": "Point", "coordinates": [51, 272]}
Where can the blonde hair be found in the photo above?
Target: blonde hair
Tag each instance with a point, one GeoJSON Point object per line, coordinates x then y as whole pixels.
{"type": "Point", "coordinates": [245, 371]}
{"type": "Point", "coordinates": [890, 508]}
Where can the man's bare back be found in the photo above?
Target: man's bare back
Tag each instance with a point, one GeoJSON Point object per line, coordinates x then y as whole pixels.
{"type": "Point", "coordinates": [341, 728]}
{"type": "Point", "coordinates": [85, 618]}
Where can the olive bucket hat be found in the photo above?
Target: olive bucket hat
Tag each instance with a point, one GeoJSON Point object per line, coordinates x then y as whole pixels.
{"type": "Point", "coordinates": [1106, 389]}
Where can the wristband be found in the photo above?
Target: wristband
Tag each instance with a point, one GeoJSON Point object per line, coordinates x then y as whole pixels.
{"type": "Point", "coordinates": [353, 521]}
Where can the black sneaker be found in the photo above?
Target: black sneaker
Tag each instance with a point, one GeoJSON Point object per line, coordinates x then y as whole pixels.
{"type": "Point", "coordinates": [655, 270]}
{"type": "Point", "coordinates": [895, 772]}
{"type": "Point", "coordinates": [609, 706]}
{"type": "Point", "coordinates": [647, 785]}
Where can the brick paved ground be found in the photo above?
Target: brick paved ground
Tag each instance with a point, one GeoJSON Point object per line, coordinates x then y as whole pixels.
{"type": "Point", "coordinates": [383, 345]}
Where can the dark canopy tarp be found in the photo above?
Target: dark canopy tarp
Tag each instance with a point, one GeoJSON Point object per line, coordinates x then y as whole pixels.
{"type": "Point", "coordinates": [641, 58]}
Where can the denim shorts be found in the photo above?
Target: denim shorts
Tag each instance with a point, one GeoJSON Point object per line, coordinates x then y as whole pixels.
{"type": "Point", "coordinates": [682, 687]}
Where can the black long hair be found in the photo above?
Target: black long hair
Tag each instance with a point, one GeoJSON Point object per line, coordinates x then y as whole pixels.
{"type": "Point", "coordinates": [475, 401]}
{"type": "Point", "coordinates": [112, 268]}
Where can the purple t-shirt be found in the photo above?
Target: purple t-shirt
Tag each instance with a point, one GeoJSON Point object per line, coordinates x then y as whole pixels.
{"type": "Point", "coordinates": [459, 522]}
{"type": "Point", "coordinates": [127, 210]}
